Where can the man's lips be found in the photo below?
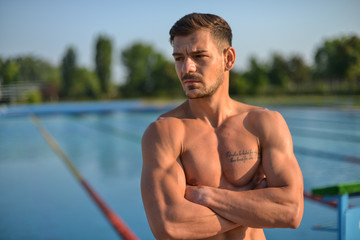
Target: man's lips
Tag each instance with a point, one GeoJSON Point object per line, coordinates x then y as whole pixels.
{"type": "Point", "coordinates": [190, 81]}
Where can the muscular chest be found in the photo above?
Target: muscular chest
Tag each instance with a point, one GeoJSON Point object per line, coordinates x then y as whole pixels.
{"type": "Point", "coordinates": [220, 157]}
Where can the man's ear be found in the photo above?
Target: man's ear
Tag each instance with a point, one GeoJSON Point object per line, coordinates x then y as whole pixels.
{"type": "Point", "coordinates": [230, 57]}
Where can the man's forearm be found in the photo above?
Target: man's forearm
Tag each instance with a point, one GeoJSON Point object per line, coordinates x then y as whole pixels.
{"type": "Point", "coordinates": [260, 208]}
{"type": "Point", "coordinates": [192, 221]}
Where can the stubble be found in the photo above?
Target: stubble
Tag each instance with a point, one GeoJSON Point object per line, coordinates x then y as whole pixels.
{"type": "Point", "coordinates": [203, 91]}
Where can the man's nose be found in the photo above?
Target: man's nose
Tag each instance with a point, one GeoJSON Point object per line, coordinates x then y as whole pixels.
{"type": "Point", "coordinates": [188, 65]}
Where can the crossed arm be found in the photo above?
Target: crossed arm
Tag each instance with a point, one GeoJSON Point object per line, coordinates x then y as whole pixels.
{"type": "Point", "coordinates": [177, 211]}
{"type": "Point", "coordinates": [163, 185]}
{"type": "Point", "coordinates": [280, 204]}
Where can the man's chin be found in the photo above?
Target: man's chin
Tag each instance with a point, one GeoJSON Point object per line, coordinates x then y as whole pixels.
{"type": "Point", "coordinates": [192, 93]}
{"type": "Point", "coordinates": [196, 95]}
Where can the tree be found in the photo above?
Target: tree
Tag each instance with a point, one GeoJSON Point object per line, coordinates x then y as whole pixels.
{"type": "Point", "coordinates": [238, 85]}
{"type": "Point", "coordinates": [138, 59]}
{"type": "Point", "coordinates": [148, 73]}
{"type": "Point", "coordinates": [103, 62]}
{"type": "Point", "coordinates": [86, 85]}
{"type": "Point", "coordinates": [68, 70]}
{"type": "Point", "coordinates": [166, 82]}
{"type": "Point", "coordinates": [29, 69]}
{"type": "Point", "coordinates": [1, 66]}
{"type": "Point", "coordinates": [10, 72]}
{"type": "Point", "coordinates": [257, 77]}
{"type": "Point", "coordinates": [299, 73]}
{"type": "Point", "coordinates": [35, 70]}
{"type": "Point", "coordinates": [338, 62]}
{"type": "Point", "coordinates": [279, 73]}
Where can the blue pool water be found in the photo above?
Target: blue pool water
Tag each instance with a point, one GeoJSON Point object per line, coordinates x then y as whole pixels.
{"type": "Point", "coordinates": [40, 199]}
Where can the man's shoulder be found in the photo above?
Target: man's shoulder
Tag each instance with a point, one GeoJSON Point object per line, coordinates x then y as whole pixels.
{"type": "Point", "coordinates": [166, 123]}
{"type": "Point", "coordinates": [260, 114]}
{"type": "Point", "coordinates": [262, 120]}
{"type": "Point", "coordinates": [167, 126]}
{"type": "Point", "coordinates": [163, 136]}
{"type": "Point", "coordinates": [178, 112]}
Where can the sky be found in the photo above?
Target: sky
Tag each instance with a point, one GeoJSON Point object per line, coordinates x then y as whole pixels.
{"type": "Point", "coordinates": [46, 28]}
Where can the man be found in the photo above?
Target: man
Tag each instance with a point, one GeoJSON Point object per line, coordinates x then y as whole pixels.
{"type": "Point", "coordinates": [213, 167]}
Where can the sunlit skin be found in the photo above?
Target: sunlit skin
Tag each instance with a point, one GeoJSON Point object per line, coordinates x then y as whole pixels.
{"type": "Point", "coordinates": [215, 168]}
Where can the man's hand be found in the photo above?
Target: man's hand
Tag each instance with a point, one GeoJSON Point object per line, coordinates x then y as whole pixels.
{"type": "Point", "coordinates": [196, 194]}
{"type": "Point", "coordinates": [200, 194]}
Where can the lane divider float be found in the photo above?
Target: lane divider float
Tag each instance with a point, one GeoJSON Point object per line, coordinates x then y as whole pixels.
{"type": "Point", "coordinates": [118, 224]}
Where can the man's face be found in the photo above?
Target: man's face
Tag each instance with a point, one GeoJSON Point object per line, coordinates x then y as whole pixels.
{"type": "Point", "coordinates": [199, 64]}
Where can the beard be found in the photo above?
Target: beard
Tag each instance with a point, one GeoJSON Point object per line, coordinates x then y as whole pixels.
{"type": "Point", "coordinates": [195, 92]}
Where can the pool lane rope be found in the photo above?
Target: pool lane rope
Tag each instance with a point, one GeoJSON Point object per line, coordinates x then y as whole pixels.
{"type": "Point", "coordinates": [119, 225]}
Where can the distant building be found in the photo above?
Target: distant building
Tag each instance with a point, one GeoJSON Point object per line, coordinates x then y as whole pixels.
{"type": "Point", "coordinates": [18, 92]}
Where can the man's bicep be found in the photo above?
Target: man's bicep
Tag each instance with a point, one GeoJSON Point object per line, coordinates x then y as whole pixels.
{"type": "Point", "coordinates": [279, 162]}
{"type": "Point", "coordinates": [161, 189]}
{"type": "Point", "coordinates": [281, 169]}
{"type": "Point", "coordinates": [162, 177]}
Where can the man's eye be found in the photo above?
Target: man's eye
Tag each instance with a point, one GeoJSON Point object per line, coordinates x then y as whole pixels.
{"type": "Point", "coordinates": [178, 59]}
{"type": "Point", "coordinates": [199, 56]}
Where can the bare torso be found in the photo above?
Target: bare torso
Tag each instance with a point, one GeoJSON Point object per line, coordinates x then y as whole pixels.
{"type": "Point", "coordinates": [228, 156]}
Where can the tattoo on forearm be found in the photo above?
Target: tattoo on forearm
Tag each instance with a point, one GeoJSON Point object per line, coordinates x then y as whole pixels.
{"type": "Point", "coordinates": [243, 155]}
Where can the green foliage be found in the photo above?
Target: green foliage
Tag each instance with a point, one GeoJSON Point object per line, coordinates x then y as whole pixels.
{"type": "Point", "coordinates": [10, 72]}
{"type": "Point", "coordinates": [338, 62]}
{"type": "Point", "coordinates": [1, 66]}
{"type": "Point", "coordinates": [28, 69]}
{"type": "Point", "coordinates": [32, 69]}
{"type": "Point", "coordinates": [68, 69]}
{"type": "Point", "coordinates": [137, 60]}
{"type": "Point", "coordinates": [257, 77]}
{"type": "Point", "coordinates": [238, 84]}
{"type": "Point", "coordinates": [77, 83]}
{"type": "Point", "coordinates": [34, 96]}
{"type": "Point", "coordinates": [166, 83]}
{"type": "Point", "coordinates": [86, 85]}
{"type": "Point", "coordinates": [148, 73]}
{"type": "Point", "coordinates": [336, 70]}
{"type": "Point", "coordinates": [299, 73]}
{"type": "Point", "coordinates": [279, 73]}
{"type": "Point", "coordinates": [103, 62]}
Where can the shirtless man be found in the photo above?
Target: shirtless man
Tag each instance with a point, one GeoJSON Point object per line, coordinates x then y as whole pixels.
{"type": "Point", "coordinates": [213, 167]}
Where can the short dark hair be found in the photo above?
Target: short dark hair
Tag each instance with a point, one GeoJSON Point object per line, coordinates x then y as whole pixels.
{"type": "Point", "coordinates": [219, 28]}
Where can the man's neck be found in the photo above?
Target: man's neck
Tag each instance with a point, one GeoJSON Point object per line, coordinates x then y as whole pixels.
{"type": "Point", "coordinates": [213, 110]}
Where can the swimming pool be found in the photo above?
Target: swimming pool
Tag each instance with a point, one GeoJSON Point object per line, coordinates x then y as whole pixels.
{"type": "Point", "coordinates": [40, 199]}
